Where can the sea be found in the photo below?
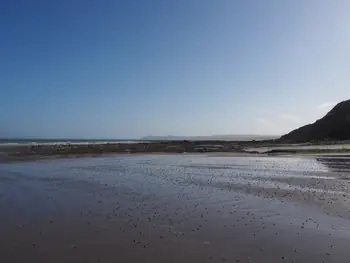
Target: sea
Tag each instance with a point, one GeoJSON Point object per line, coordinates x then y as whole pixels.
{"type": "Point", "coordinates": [21, 141]}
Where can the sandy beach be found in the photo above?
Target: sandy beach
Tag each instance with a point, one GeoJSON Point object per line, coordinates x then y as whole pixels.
{"type": "Point", "coordinates": [175, 208]}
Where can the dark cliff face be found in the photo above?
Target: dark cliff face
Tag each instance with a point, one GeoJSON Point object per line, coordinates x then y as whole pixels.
{"type": "Point", "coordinates": [334, 126]}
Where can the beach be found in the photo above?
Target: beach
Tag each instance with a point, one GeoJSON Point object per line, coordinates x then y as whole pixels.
{"type": "Point", "coordinates": [175, 208]}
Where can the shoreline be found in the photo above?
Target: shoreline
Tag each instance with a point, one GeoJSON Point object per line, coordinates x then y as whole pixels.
{"type": "Point", "coordinates": [32, 152]}
{"type": "Point", "coordinates": [16, 153]}
{"type": "Point", "coordinates": [12, 159]}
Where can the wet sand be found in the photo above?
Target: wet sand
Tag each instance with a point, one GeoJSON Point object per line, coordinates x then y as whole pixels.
{"type": "Point", "coordinates": [176, 208]}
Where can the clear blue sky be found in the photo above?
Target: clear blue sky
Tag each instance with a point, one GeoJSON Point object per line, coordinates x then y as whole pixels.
{"type": "Point", "coordinates": [124, 69]}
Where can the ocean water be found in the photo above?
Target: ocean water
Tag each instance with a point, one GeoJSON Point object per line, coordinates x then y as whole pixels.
{"type": "Point", "coordinates": [9, 142]}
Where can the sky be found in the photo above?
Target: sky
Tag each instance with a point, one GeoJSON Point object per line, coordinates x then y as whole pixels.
{"type": "Point", "coordinates": [126, 69]}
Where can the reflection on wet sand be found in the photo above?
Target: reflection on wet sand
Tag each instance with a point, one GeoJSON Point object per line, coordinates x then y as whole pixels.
{"type": "Point", "coordinates": [181, 208]}
{"type": "Point", "coordinates": [336, 164]}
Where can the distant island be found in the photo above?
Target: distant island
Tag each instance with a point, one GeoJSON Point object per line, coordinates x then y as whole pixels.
{"type": "Point", "coordinates": [225, 137]}
{"type": "Point", "coordinates": [334, 126]}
